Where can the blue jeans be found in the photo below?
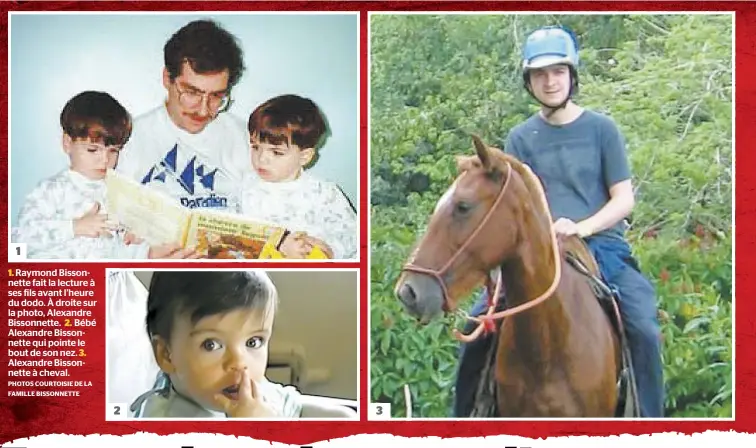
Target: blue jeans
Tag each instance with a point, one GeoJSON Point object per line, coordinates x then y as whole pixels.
{"type": "Point", "coordinates": [638, 309]}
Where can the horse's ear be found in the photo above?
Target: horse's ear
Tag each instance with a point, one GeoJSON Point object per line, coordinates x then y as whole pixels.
{"type": "Point", "coordinates": [482, 150]}
{"type": "Point", "coordinates": [461, 162]}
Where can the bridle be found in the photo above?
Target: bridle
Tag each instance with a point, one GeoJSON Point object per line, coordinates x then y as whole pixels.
{"type": "Point", "coordinates": [486, 323]}
{"type": "Point", "coordinates": [438, 275]}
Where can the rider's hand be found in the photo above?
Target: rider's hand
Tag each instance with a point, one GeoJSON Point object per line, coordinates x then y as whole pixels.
{"type": "Point", "coordinates": [567, 227]}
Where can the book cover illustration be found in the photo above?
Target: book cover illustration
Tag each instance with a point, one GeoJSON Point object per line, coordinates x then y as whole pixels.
{"type": "Point", "coordinates": [159, 219]}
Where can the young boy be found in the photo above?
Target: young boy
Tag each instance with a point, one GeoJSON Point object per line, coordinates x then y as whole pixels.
{"type": "Point", "coordinates": [284, 133]}
{"type": "Point", "coordinates": [64, 216]}
{"type": "Point", "coordinates": [210, 332]}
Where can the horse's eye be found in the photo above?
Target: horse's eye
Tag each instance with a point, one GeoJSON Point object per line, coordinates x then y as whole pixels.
{"type": "Point", "coordinates": [461, 208]}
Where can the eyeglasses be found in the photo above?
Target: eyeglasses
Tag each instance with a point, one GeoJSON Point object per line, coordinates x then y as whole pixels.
{"type": "Point", "coordinates": [217, 102]}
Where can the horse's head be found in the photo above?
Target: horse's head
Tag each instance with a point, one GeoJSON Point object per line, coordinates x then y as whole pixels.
{"type": "Point", "coordinates": [474, 228]}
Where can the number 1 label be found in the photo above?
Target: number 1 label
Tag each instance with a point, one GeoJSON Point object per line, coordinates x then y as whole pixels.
{"type": "Point", "coordinates": [16, 252]}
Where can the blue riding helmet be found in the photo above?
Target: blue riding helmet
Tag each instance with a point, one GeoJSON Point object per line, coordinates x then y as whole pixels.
{"type": "Point", "coordinates": [550, 46]}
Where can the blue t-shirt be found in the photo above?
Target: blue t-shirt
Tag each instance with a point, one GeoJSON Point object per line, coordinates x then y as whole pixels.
{"type": "Point", "coordinates": [577, 163]}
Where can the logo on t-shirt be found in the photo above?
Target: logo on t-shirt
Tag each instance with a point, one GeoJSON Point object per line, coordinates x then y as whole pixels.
{"type": "Point", "coordinates": [195, 178]}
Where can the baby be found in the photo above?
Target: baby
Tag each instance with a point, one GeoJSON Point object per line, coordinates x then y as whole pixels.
{"type": "Point", "coordinates": [210, 333]}
{"type": "Point", "coordinates": [284, 134]}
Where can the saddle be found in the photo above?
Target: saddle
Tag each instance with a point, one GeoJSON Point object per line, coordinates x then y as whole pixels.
{"type": "Point", "coordinates": [579, 256]}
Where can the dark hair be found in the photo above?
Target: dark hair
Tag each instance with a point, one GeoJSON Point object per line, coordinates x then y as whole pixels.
{"type": "Point", "coordinates": [203, 293]}
{"type": "Point", "coordinates": [207, 47]}
{"type": "Point", "coordinates": [96, 116]}
{"type": "Point", "coordinates": [287, 119]}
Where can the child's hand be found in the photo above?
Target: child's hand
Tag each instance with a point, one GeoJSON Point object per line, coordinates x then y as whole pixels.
{"type": "Point", "coordinates": [92, 224]}
{"type": "Point", "coordinates": [295, 245]}
{"type": "Point", "coordinates": [130, 238]}
{"type": "Point", "coordinates": [321, 244]}
{"type": "Point", "coordinates": [249, 403]}
{"type": "Point", "coordinates": [172, 251]}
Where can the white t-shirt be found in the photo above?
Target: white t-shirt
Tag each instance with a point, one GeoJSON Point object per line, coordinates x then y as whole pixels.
{"type": "Point", "coordinates": [199, 170]}
{"type": "Point", "coordinates": [45, 222]}
{"type": "Point", "coordinates": [307, 204]}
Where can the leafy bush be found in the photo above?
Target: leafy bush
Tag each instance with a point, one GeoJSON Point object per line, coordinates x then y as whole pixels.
{"type": "Point", "coordinates": [665, 80]}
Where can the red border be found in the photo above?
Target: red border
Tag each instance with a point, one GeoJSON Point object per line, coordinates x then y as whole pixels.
{"type": "Point", "coordinates": [29, 418]}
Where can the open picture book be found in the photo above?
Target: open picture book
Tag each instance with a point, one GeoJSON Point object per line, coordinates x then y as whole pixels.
{"type": "Point", "coordinates": [159, 219]}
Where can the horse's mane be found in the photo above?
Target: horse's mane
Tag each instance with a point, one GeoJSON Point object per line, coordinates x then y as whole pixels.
{"type": "Point", "coordinates": [535, 189]}
{"type": "Point", "coordinates": [532, 183]}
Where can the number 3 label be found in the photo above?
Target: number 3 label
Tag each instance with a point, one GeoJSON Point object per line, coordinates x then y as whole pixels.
{"type": "Point", "coordinates": [379, 411]}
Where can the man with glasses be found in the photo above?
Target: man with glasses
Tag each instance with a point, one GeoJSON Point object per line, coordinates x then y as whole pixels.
{"type": "Point", "coordinates": [188, 147]}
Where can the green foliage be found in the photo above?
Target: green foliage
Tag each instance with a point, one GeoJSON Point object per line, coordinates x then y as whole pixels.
{"type": "Point", "coordinates": [665, 80]}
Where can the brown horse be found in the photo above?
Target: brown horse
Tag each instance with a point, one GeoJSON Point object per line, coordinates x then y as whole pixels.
{"type": "Point", "coordinates": [557, 354]}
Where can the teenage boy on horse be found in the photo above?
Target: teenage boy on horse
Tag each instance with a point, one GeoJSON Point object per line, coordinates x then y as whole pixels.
{"type": "Point", "coordinates": [579, 156]}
